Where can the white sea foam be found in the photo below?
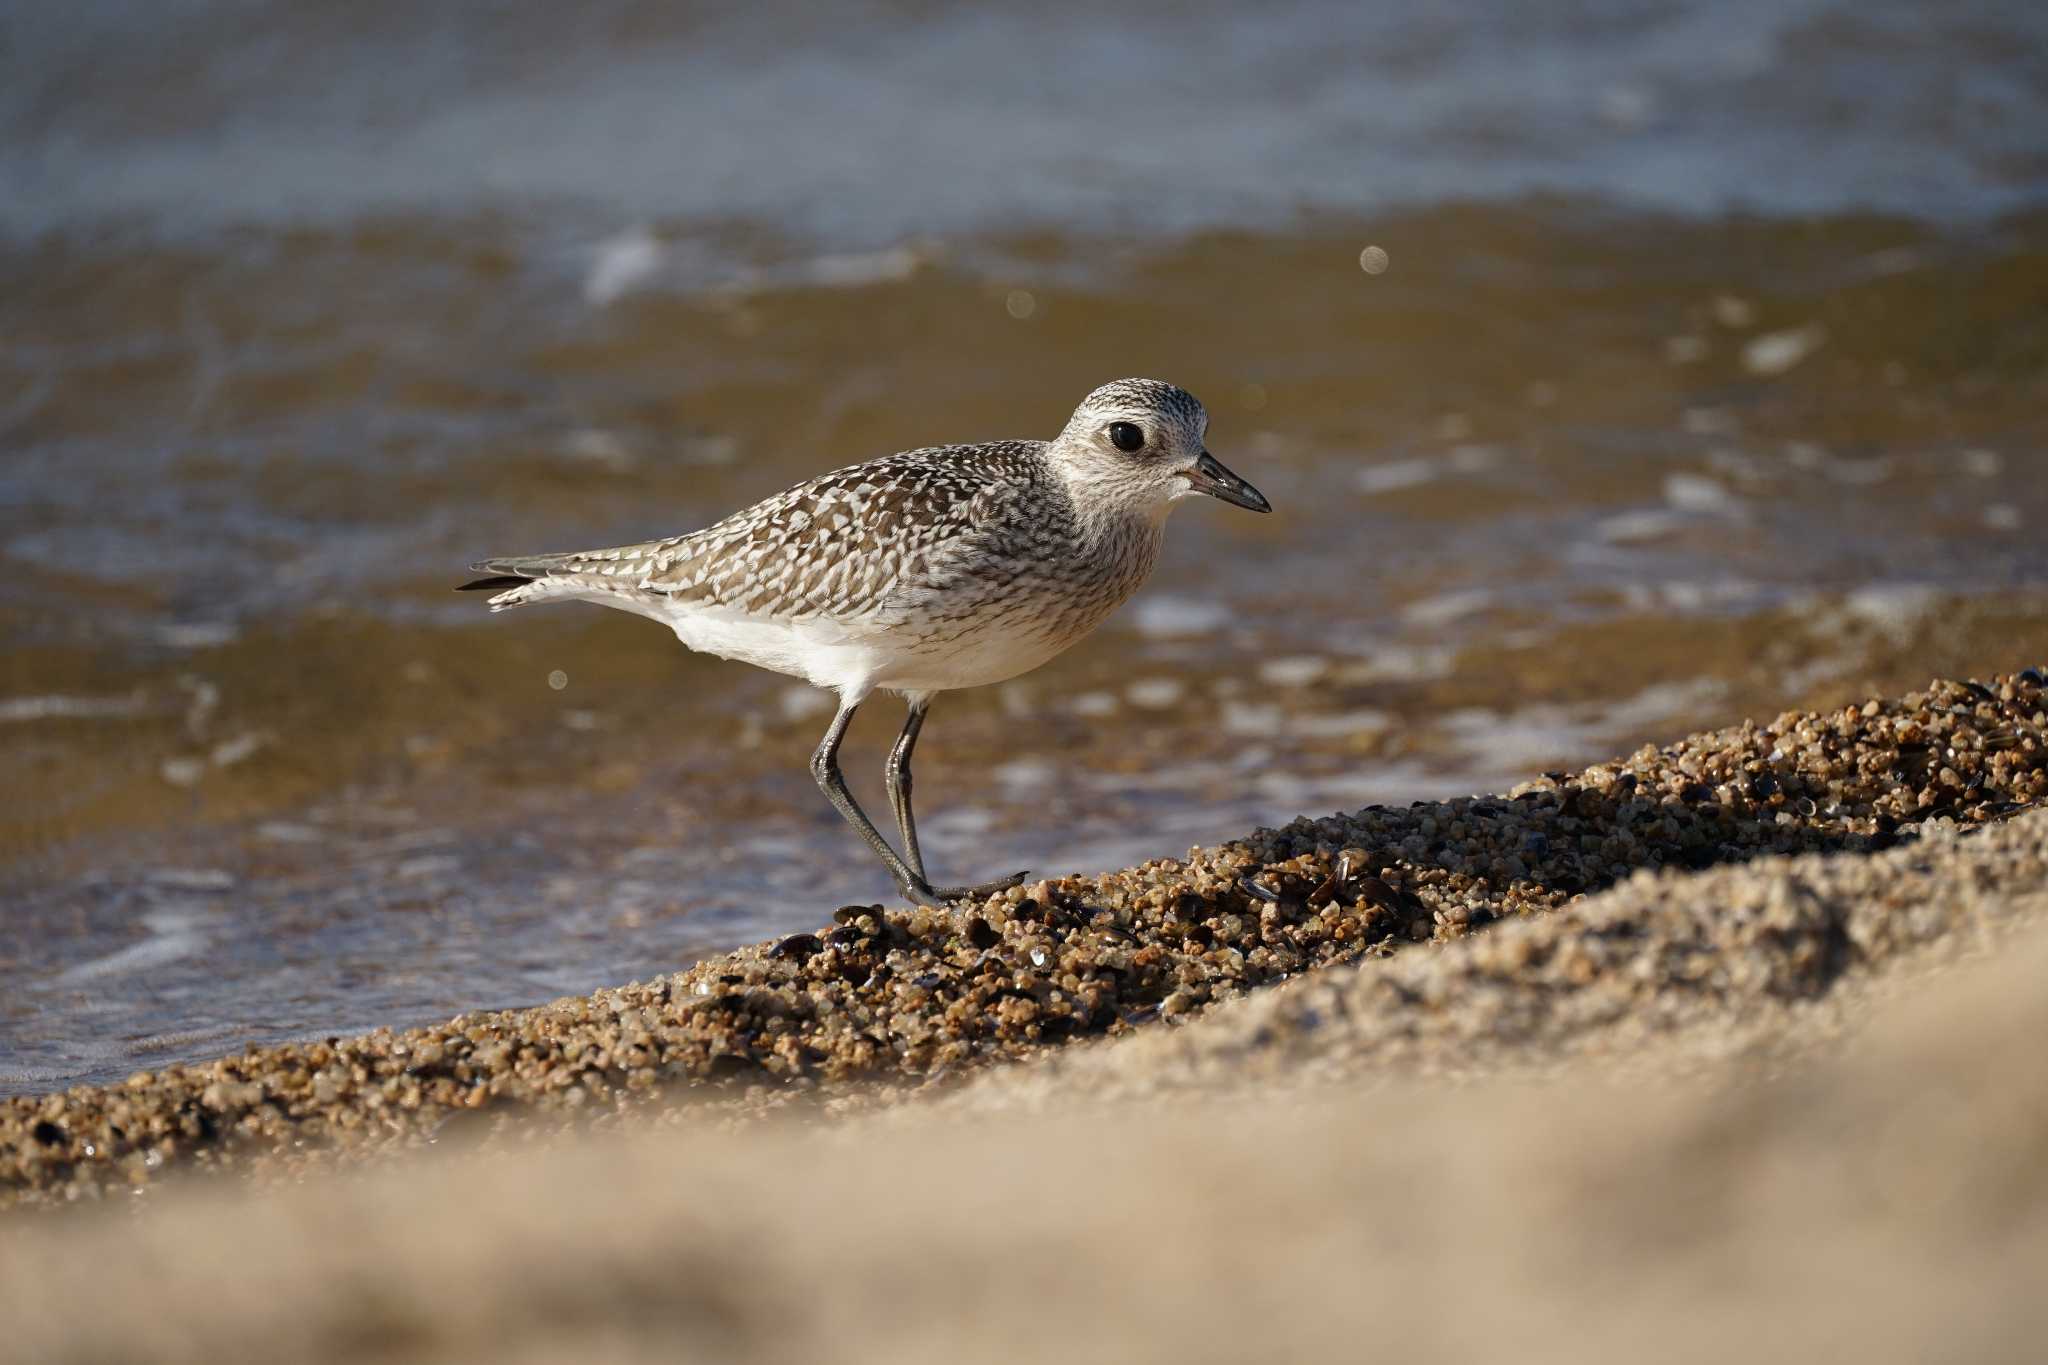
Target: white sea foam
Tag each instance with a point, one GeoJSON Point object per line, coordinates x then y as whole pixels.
{"type": "Point", "coordinates": [620, 265]}
{"type": "Point", "coordinates": [18, 709]}
{"type": "Point", "coordinates": [174, 933]}
{"type": "Point", "coordinates": [1396, 475]}
{"type": "Point", "coordinates": [1165, 616]}
{"type": "Point", "coordinates": [1774, 353]}
{"type": "Point", "coordinates": [1444, 608]}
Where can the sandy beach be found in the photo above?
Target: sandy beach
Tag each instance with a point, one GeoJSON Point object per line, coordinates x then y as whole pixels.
{"type": "Point", "coordinates": [1779, 1038]}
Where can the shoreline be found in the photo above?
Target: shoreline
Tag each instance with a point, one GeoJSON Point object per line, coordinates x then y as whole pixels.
{"type": "Point", "coordinates": [881, 1003]}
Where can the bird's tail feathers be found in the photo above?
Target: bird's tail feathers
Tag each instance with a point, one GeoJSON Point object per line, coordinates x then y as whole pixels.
{"type": "Point", "coordinates": [541, 578]}
{"type": "Point", "coordinates": [514, 582]}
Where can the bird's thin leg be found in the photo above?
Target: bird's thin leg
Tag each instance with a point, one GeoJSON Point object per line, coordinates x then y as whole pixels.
{"type": "Point", "coordinates": [898, 774]}
{"type": "Point", "coordinates": [825, 768]}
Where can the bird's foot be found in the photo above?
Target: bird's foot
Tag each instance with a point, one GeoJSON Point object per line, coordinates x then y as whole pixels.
{"type": "Point", "coordinates": [925, 894]}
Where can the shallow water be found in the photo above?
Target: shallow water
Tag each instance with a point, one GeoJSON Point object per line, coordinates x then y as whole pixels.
{"type": "Point", "coordinates": [1705, 378]}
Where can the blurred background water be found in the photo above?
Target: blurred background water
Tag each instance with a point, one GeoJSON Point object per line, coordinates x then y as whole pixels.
{"type": "Point", "coordinates": [1697, 371]}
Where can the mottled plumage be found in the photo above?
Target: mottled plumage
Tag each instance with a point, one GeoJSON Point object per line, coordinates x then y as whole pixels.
{"type": "Point", "coordinates": [944, 567]}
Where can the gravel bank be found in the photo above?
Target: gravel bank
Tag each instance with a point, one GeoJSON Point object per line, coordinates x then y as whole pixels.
{"type": "Point", "coordinates": [911, 997]}
{"type": "Point", "coordinates": [1665, 974]}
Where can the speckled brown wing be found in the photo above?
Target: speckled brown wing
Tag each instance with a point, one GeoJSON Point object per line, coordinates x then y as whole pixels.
{"type": "Point", "coordinates": [842, 545]}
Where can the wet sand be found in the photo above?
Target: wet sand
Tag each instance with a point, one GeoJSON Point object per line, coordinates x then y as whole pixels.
{"type": "Point", "coordinates": [1785, 1101]}
{"type": "Point", "coordinates": [883, 1002]}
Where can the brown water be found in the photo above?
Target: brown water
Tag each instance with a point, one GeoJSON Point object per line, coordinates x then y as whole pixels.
{"type": "Point", "coordinates": [1708, 376]}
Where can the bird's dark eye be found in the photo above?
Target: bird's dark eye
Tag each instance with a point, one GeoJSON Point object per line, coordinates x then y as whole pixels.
{"type": "Point", "coordinates": [1126, 436]}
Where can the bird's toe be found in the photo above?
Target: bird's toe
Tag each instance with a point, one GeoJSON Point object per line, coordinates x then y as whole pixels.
{"type": "Point", "coordinates": [951, 895]}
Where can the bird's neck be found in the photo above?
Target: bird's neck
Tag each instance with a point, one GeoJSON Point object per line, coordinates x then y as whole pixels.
{"type": "Point", "coordinates": [1118, 532]}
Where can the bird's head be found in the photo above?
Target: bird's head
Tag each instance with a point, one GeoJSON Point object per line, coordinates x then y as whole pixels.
{"type": "Point", "coordinates": [1140, 443]}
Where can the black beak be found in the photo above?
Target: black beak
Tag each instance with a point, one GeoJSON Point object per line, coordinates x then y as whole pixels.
{"type": "Point", "coordinates": [1209, 476]}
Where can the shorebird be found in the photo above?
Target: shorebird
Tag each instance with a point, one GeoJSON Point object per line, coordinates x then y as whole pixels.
{"type": "Point", "coordinates": [929, 570]}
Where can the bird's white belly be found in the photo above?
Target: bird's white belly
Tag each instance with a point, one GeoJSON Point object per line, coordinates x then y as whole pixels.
{"type": "Point", "coordinates": [816, 651]}
{"type": "Point", "coordinates": [941, 666]}
{"type": "Point", "coordinates": [831, 654]}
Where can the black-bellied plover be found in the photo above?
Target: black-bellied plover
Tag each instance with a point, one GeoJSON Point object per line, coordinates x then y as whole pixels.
{"type": "Point", "coordinates": [950, 566]}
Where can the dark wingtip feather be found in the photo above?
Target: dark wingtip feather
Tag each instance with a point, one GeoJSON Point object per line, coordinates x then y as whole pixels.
{"type": "Point", "coordinates": [496, 583]}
